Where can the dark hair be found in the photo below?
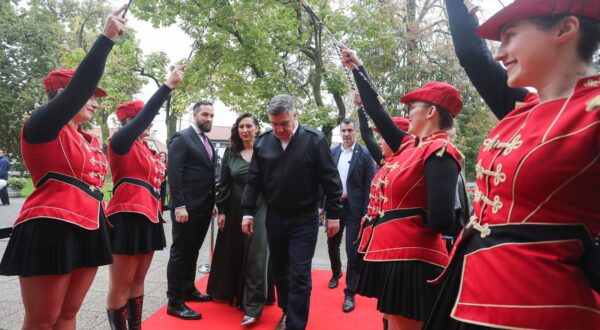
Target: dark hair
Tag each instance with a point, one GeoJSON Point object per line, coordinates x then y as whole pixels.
{"type": "Point", "coordinates": [280, 104]}
{"type": "Point", "coordinates": [446, 119]}
{"type": "Point", "coordinates": [163, 153]}
{"type": "Point", "coordinates": [589, 33]}
{"type": "Point", "coordinates": [348, 121]}
{"type": "Point", "coordinates": [236, 141]}
{"type": "Point", "coordinates": [197, 106]}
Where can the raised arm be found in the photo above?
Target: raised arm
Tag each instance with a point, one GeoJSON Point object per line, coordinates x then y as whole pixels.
{"type": "Point", "coordinates": [123, 139]}
{"type": "Point", "coordinates": [368, 137]}
{"type": "Point", "coordinates": [389, 131]}
{"type": "Point", "coordinates": [46, 122]}
{"type": "Point", "coordinates": [486, 74]}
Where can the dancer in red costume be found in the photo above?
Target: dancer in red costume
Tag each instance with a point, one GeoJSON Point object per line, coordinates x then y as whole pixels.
{"type": "Point", "coordinates": [415, 202]}
{"type": "Point", "coordinates": [60, 237]}
{"type": "Point", "coordinates": [521, 262]}
{"type": "Point", "coordinates": [135, 210]}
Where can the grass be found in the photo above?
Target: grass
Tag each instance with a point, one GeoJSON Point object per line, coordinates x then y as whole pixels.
{"type": "Point", "coordinates": [28, 189]}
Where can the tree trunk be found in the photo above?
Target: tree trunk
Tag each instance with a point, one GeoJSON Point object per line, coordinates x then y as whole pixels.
{"type": "Point", "coordinates": [170, 119]}
{"type": "Point", "coordinates": [104, 126]}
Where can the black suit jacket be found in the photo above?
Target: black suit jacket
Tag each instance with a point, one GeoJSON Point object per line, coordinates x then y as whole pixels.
{"type": "Point", "coordinates": [191, 173]}
{"type": "Point", "coordinates": [360, 175]}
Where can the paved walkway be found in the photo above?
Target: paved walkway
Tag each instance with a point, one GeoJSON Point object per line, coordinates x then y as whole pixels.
{"type": "Point", "coordinates": [93, 311]}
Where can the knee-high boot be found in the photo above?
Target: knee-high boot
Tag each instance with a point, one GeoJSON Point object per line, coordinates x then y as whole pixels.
{"type": "Point", "coordinates": [134, 312]}
{"type": "Point", "coordinates": [117, 318]}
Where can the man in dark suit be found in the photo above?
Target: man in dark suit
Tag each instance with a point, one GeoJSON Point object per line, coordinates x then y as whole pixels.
{"type": "Point", "coordinates": [356, 169]}
{"type": "Point", "coordinates": [191, 171]}
{"type": "Point", "coordinates": [289, 164]}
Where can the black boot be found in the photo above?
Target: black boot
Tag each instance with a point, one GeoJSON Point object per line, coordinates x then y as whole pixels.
{"type": "Point", "coordinates": [134, 312]}
{"type": "Point", "coordinates": [117, 318]}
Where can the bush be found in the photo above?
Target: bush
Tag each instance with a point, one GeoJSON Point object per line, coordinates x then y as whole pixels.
{"type": "Point", "coordinates": [16, 183]}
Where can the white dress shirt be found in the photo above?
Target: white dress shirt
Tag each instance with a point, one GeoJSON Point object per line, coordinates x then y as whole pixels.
{"type": "Point", "coordinates": [343, 166]}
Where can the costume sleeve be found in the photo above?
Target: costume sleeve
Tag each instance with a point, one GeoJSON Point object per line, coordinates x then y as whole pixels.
{"type": "Point", "coordinates": [486, 74]}
{"type": "Point", "coordinates": [441, 174]}
{"type": "Point", "coordinates": [389, 131]}
{"type": "Point", "coordinates": [124, 138]}
{"type": "Point", "coordinates": [46, 122]}
{"type": "Point", "coordinates": [367, 135]}
{"type": "Point", "coordinates": [368, 178]}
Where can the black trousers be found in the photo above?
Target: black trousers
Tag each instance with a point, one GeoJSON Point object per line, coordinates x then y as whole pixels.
{"type": "Point", "coordinates": [352, 226]}
{"type": "Point", "coordinates": [187, 240]}
{"type": "Point", "coordinates": [292, 243]}
{"type": "Point", "coordinates": [4, 195]}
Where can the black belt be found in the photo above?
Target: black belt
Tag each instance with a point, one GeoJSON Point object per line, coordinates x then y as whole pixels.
{"type": "Point", "coordinates": [401, 213]}
{"type": "Point", "coordinates": [524, 233]}
{"type": "Point", "coordinates": [140, 183]}
{"type": "Point", "coordinates": [472, 241]}
{"type": "Point", "coordinates": [88, 189]}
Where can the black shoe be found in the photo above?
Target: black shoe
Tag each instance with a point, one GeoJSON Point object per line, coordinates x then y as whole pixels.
{"type": "Point", "coordinates": [281, 324]}
{"type": "Point", "coordinates": [198, 297]}
{"type": "Point", "coordinates": [334, 281]}
{"type": "Point", "coordinates": [348, 304]}
{"type": "Point", "coordinates": [134, 312]}
{"type": "Point", "coordinates": [117, 318]}
{"type": "Point", "coordinates": [182, 311]}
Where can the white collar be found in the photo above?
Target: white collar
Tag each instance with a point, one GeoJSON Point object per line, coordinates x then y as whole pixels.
{"type": "Point", "coordinates": [348, 150]}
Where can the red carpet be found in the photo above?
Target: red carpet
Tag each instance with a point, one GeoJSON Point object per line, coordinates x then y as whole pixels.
{"type": "Point", "coordinates": [325, 311]}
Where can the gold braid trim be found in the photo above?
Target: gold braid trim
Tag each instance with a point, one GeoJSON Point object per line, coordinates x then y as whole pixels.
{"type": "Point", "coordinates": [594, 104]}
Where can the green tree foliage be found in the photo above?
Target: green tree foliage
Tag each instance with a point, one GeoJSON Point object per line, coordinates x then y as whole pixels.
{"type": "Point", "coordinates": [28, 38]}
{"type": "Point", "coordinates": [51, 34]}
{"type": "Point", "coordinates": [244, 58]}
{"type": "Point", "coordinates": [84, 21]}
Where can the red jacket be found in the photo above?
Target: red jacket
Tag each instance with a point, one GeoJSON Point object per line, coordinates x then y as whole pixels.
{"type": "Point", "coordinates": [374, 206]}
{"type": "Point", "coordinates": [538, 179]}
{"type": "Point", "coordinates": [400, 232]}
{"type": "Point", "coordinates": [68, 173]}
{"type": "Point", "coordinates": [137, 176]}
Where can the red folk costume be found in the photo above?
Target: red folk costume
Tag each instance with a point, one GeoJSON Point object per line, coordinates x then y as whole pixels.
{"type": "Point", "coordinates": [376, 190]}
{"type": "Point", "coordinates": [137, 175]}
{"type": "Point", "coordinates": [535, 206]}
{"type": "Point", "coordinates": [68, 172]}
{"type": "Point", "coordinates": [400, 232]}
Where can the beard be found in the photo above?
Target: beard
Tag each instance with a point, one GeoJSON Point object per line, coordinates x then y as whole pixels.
{"type": "Point", "coordinates": [204, 127]}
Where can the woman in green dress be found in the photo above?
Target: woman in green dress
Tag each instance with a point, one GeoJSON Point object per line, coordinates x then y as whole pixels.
{"type": "Point", "coordinates": [239, 271]}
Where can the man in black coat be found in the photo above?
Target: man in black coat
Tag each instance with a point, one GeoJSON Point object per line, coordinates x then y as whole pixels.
{"type": "Point", "coordinates": [191, 172]}
{"type": "Point", "coordinates": [356, 169]}
{"type": "Point", "coordinates": [289, 164]}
